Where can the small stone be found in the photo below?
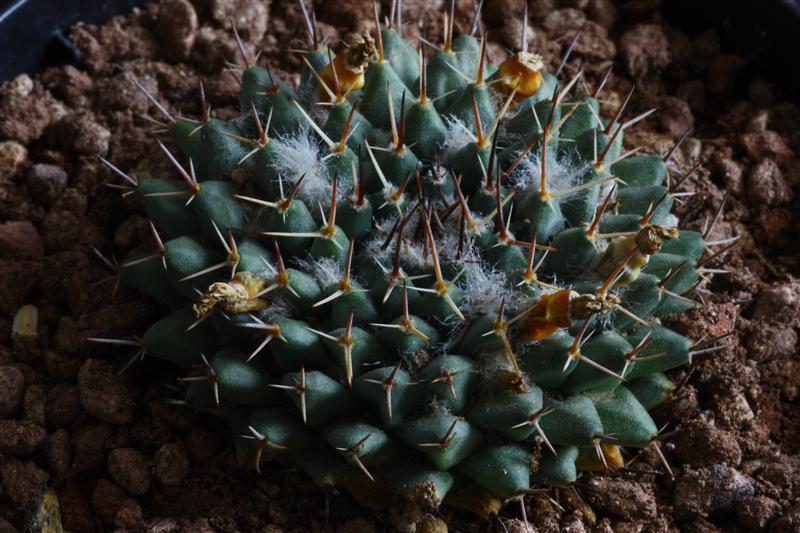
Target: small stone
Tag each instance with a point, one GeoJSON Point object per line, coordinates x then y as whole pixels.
{"type": "Point", "coordinates": [702, 444]}
{"type": "Point", "coordinates": [770, 341]}
{"type": "Point", "coordinates": [691, 149]}
{"type": "Point", "coordinates": [644, 50]}
{"type": "Point", "coordinates": [674, 115]}
{"type": "Point", "coordinates": [539, 9]}
{"type": "Point", "coordinates": [766, 186]}
{"type": "Point", "coordinates": [733, 410]}
{"type": "Point", "coordinates": [20, 437]}
{"type": "Point", "coordinates": [76, 515]}
{"type": "Point", "coordinates": [499, 11]}
{"type": "Point", "coordinates": [35, 402]}
{"type": "Point", "coordinates": [732, 175]}
{"type": "Point", "coordinates": [80, 131]}
{"type": "Point", "coordinates": [63, 405]}
{"type": "Point", "coordinates": [709, 491]}
{"type": "Point", "coordinates": [693, 92]}
{"type": "Point", "coordinates": [758, 122]}
{"type": "Point", "coordinates": [562, 21]}
{"type": "Point", "coordinates": [511, 31]}
{"type": "Point", "coordinates": [102, 394]}
{"type": "Point", "coordinates": [214, 47]}
{"type": "Point", "coordinates": [789, 522]}
{"type": "Point", "coordinates": [64, 230]}
{"type": "Point", "coordinates": [114, 507]}
{"type": "Point", "coordinates": [12, 387]}
{"type": "Point", "coordinates": [70, 84]}
{"type": "Point", "coordinates": [594, 44]}
{"type": "Point", "coordinates": [18, 279]}
{"type": "Point", "coordinates": [756, 512]}
{"type": "Point", "coordinates": [249, 17]}
{"type": "Point", "coordinates": [73, 201]}
{"type": "Point", "coordinates": [772, 226]}
{"type": "Point", "coordinates": [30, 374]}
{"type": "Point", "coordinates": [119, 93]}
{"type": "Point", "coordinates": [60, 366]}
{"type": "Point", "coordinates": [22, 482]}
{"type": "Point", "coordinates": [12, 156]}
{"type": "Point", "coordinates": [129, 469]}
{"type": "Point", "coordinates": [28, 109]}
{"type": "Point", "coordinates": [604, 12]}
{"type": "Point", "coordinates": [761, 144]}
{"type": "Point", "coordinates": [171, 464]}
{"type": "Point", "coordinates": [177, 28]}
{"type": "Point", "coordinates": [129, 233]}
{"type": "Point", "coordinates": [20, 240]}
{"type": "Point", "coordinates": [57, 447]}
{"type": "Point", "coordinates": [90, 445]}
{"type": "Point", "coordinates": [45, 182]}
{"type": "Point", "coordinates": [624, 498]}
{"type": "Point", "coordinates": [782, 375]}
{"type": "Point", "coordinates": [777, 302]}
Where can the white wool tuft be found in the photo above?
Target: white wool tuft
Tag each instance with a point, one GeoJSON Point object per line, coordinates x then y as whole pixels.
{"type": "Point", "coordinates": [326, 271]}
{"type": "Point", "coordinates": [373, 247]}
{"type": "Point", "coordinates": [456, 136]}
{"type": "Point", "coordinates": [563, 171]}
{"type": "Point", "coordinates": [299, 154]}
{"type": "Point", "coordinates": [447, 244]}
{"type": "Point", "coordinates": [278, 308]}
{"type": "Point", "coordinates": [413, 254]}
{"type": "Point", "coordinates": [485, 288]}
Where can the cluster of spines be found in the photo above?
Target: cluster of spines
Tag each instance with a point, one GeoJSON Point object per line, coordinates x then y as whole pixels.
{"type": "Point", "coordinates": [354, 374]}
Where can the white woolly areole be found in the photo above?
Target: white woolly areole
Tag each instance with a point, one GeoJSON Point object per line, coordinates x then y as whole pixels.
{"type": "Point", "coordinates": [456, 136]}
{"type": "Point", "coordinates": [299, 154]}
{"type": "Point", "coordinates": [485, 288]}
{"type": "Point", "coordinates": [561, 170]}
{"type": "Point", "coordinates": [326, 270]}
{"type": "Point", "coordinates": [278, 308]}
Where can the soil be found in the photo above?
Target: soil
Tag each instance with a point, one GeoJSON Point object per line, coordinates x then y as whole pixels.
{"type": "Point", "coordinates": [117, 454]}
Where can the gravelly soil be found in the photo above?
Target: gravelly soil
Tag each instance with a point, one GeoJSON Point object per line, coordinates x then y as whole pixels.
{"type": "Point", "coordinates": [118, 455]}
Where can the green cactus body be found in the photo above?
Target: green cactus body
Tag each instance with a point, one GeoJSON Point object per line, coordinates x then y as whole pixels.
{"type": "Point", "coordinates": [362, 318]}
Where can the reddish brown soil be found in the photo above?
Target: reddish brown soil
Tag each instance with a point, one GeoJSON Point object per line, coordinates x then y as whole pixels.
{"type": "Point", "coordinates": [120, 456]}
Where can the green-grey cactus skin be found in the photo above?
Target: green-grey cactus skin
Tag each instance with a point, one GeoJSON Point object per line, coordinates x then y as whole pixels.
{"type": "Point", "coordinates": [400, 326]}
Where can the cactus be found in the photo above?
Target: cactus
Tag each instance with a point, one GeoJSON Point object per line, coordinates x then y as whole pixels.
{"type": "Point", "coordinates": [419, 274]}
